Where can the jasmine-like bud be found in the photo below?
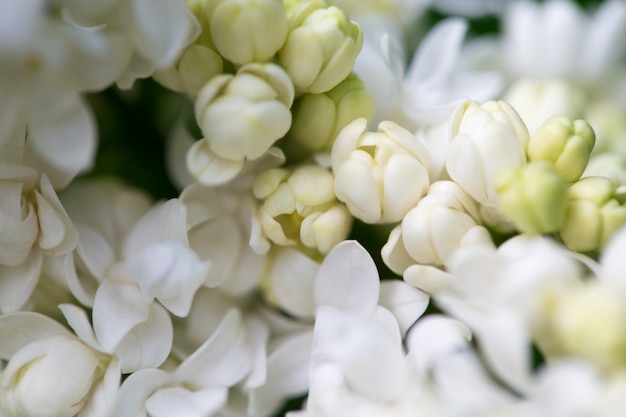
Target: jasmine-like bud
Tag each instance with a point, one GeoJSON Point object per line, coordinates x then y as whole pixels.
{"type": "Point", "coordinates": [538, 100]}
{"type": "Point", "coordinates": [318, 118]}
{"type": "Point", "coordinates": [197, 65]}
{"type": "Point", "coordinates": [589, 322]}
{"type": "Point", "coordinates": [443, 221]}
{"type": "Point", "coordinates": [379, 175]}
{"type": "Point", "coordinates": [533, 197]}
{"type": "Point", "coordinates": [299, 207]}
{"type": "Point", "coordinates": [321, 47]}
{"type": "Point", "coordinates": [592, 214]}
{"type": "Point", "coordinates": [247, 31]}
{"type": "Point", "coordinates": [241, 117]}
{"type": "Point", "coordinates": [486, 139]}
{"type": "Point", "coordinates": [53, 376]}
{"type": "Point", "coordinates": [564, 143]}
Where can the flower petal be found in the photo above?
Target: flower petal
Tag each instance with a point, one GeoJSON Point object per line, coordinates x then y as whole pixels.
{"type": "Point", "coordinates": [180, 402]}
{"type": "Point", "coordinates": [21, 328]}
{"type": "Point", "coordinates": [348, 279]}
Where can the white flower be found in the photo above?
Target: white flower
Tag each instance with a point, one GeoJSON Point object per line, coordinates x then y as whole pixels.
{"type": "Point", "coordinates": [435, 82]}
{"type": "Point", "coordinates": [199, 385]}
{"type": "Point", "coordinates": [241, 116]}
{"type": "Point", "coordinates": [486, 139]}
{"type": "Point", "coordinates": [557, 40]}
{"type": "Point", "coordinates": [441, 222]}
{"type": "Point", "coordinates": [51, 372]}
{"type": "Point", "coordinates": [379, 175]}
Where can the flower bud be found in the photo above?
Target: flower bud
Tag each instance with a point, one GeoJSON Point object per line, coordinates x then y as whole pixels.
{"type": "Point", "coordinates": [538, 100]}
{"type": "Point", "coordinates": [564, 143]}
{"type": "Point", "coordinates": [592, 214]}
{"type": "Point", "coordinates": [299, 207]}
{"type": "Point", "coordinates": [321, 47]}
{"type": "Point", "coordinates": [51, 377]}
{"type": "Point", "coordinates": [318, 118]}
{"type": "Point", "coordinates": [434, 229]}
{"type": "Point", "coordinates": [241, 117]}
{"type": "Point", "coordinates": [485, 140]}
{"type": "Point", "coordinates": [379, 175]}
{"type": "Point", "coordinates": [247, 31]}
{"type": "Point", "coordinates": [197, 65]}
{"type": "Point", "coordinates": [607, 165]}
{"type": "Point", "coordinates": [533, 197]}
{"type": "Point", "coordinates": [589, 322]}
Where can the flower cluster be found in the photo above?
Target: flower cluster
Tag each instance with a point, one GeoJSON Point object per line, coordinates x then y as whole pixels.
{"type": "Point", "coordinates": [485, 178]}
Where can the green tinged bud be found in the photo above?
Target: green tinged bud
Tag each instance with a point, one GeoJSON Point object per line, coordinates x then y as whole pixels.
{"type": "Point", "coordinates": [318, 118]}
{"type": "Point", "coordinates": [565, 143]}
{"type": "Point", "coordinates": [247, 31]}
{"type": "Point", "coordinates": [592, 214]}
{"type": "Point", "coordinates": [533, 197]}
{"type": "Point", "coordinates": [321, 47]}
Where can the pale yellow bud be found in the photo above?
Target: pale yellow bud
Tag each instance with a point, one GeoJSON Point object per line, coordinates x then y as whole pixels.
{"type": "Point", "coordinates": [533, 197]}
{"type": "Point", "coordinates": [379, 175]}
{"type": "Point", "coordinates": [564, 143]}
{"type": "Point", "coordinates": [589, 322]}
{"type": "Point", "coordinates": [321, 47]}
{"type": "Point", "coordinates": [592, 214]}
{"type": "Point", "coordinates": [194, 69]}
{"type": "Point", "coordinates": [318, 118]}
{"type": "Point", "coordinates": [247, 31]}
{"type": "Point", "coordinates": [299, 207]}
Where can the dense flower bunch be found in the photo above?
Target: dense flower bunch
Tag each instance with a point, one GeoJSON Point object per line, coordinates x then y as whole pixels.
{"type": "Point", "coordinates": [485, 176]}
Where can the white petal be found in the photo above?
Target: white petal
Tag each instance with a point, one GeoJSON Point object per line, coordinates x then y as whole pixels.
{"type": "Point", "coordinates": [102, 400]}
{"type": "Point", "coordinates": [136, 389]}
{"type": "Point", "coordinates": [292, 277]}
{"type": "Point", "coordinates": [117, 308]}
{"type": "Point", "coordinates": [57, 234]}
{"type": "Point", "coordinates": [287, 373]}
{"type": "Point", "coordinates": [221, 361]}
{"type": "Point", "coordinates": [503, 340]}
{"type": "Point", "coordinates": [613, 260]}
{"type": "Point", "coordinates": [407, 303]}
{"type": "Point", "coordinates": [83, 288]}
{"type": "Point", "coordinates": [164, 221]}
{"type": "Point", "coordinates": [169, 271]}
{"type": "Point", "coordinates": [348, 279]}
{"type": "Point", "coordinates": [78, 321]}
{"type": "Point", "coordinates": [258, 335]}
{"type": "Point", "coordinates": [148, 344]}
{"type": "Point", "coordinates": [161, 29]}
{"type": "Point", "coordinates": [21, 328]}
{"type": "Point", "coordinates": [180, 402]}
{"type": "Point", "coordinates": [437, 53]}
{"type": "Point", "coordinates": [18, 282]}
{"type": "Point", "coordinates": [208, 168]}
{"type": "Point", "coordinates": [62, 142]}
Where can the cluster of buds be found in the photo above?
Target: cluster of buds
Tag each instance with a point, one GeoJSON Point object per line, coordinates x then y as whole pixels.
{"type": "Point", "coordinates": [252, 58]}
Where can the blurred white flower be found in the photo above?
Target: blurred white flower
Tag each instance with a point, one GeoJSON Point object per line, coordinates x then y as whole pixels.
{"type": "Point", "coordinates": [435, 82]}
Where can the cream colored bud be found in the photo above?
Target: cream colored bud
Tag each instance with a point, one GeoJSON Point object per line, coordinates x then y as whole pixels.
{"type": "Point", "coordinates": [379, 175]}
{"type": "Point", "coordinates": [243, 115]}
{"type": "Point", "coordinates": [538, 100]}
{"type": "Point", "coordinates": [533, 197]}
{"type": "Point", "coordinates": [434, 229]}
{"type": "Point", "coordinates": [592, 214]}
{"type": "Point", "coordinates": [564, 143]}
{"type": "Point", "coordinates": [589, 322]}
{"type": "Point", "coordinates": [299, 207]}
{"type": "Point", "coordinates": [194, 69]}
{"type": "Point", "coordinates": [247, 31]}
{"type": "Point", "coordinates": [318, 118]}
{"type": "Point", "coordinates": [486, 139]}
{"type": "Point", "coordinates": [321, 47]}
{"type": "Point", "coordinates": [51, 377]}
